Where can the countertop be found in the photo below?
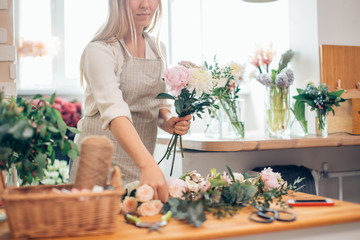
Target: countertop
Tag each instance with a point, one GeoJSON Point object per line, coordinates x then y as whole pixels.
{"type": "Point", "coordinates": [255, 141]}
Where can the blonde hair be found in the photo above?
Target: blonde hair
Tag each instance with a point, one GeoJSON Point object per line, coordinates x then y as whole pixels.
{"type": "Point", "coordinates": [119, 22]}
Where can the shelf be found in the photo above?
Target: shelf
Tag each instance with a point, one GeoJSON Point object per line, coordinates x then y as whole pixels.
{"type": "Point", "coordinates": [255, 141]}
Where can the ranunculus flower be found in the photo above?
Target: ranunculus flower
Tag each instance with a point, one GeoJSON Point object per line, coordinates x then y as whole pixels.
{"type": "Point", "coordinates": [270, 179]}
{"type": "Point", "coordinates": [144, 193]}
{"type": "Point", "coordinates": [177, 78]}
{"type": "Point", "coordinates": [177, 187]}
{"type": "Point", "coordinates": [192, 186]}
{"type": "Point", "coordinates": [148, 209]}
{"type": "Point", "coordinates": [129, 204]}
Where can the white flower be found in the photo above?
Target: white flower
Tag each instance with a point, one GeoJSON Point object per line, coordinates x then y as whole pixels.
{"type": "Point", "coordinates": [237, 70]}
{"type": "Point", "coordinates": [48, 181]}
{"type": "Point", "coordinates": [200, 81]}
{"type": "Point", "coordinates": [239, 177]}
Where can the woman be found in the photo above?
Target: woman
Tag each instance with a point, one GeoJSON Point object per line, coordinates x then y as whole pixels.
{"type": "Point", "coordinates": [123, 69]}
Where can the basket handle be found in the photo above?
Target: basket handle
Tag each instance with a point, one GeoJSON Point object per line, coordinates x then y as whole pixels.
{"type": "Point", "coordinates": [115, 180]}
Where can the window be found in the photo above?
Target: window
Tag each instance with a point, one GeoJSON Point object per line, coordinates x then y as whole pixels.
{"type": "Point", "coordinates": [51, 35]}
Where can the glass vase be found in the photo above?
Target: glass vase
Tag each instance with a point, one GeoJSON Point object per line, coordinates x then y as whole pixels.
{"type": "Point", "coordinates": [277, 111]}
{"type": "Point", "coordinates": [213, 126]}
{"type": "Point", "coordinates": [321, 124]}
{"type": "Point", "coordinates": [232, 118]}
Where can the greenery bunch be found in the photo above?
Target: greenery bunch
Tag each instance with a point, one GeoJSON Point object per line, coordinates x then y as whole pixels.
{"type": "Point", "coordinates": [319, 99]}
{"type": "Point", "coordinates": [30, 130]}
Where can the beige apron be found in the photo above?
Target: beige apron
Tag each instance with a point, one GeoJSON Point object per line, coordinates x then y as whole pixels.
{"type": "Point", "coordinates": [140, 83]}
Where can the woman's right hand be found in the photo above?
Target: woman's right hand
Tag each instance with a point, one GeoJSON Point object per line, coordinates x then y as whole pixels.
{"type": "Point", "coordinates": [152, 175]}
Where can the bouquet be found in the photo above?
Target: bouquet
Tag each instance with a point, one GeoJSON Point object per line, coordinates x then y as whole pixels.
{"type": "Point", "coordinates": [319, 99]}
{"type": "Point", "coordinates": [223, 194]}
{"type": "Point", "coordinates": [277, 82]}
{"type": "Point", "coordinates": [191, 89]}
{"type": "Point", "coordinates": [226, 89]}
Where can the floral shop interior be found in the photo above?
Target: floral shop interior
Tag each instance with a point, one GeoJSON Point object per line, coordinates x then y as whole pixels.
{"type": "Point", "coordinates": [273, 90]}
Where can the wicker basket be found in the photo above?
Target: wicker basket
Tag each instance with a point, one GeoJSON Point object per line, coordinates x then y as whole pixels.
{"type": "Point", "coordinates": [33, 212]}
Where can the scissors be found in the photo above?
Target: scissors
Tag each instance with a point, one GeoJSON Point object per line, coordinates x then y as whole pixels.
{"type": "Point", "coordinates": [266, 215]}
{"type": "Point", "coordinates": [133, 218]}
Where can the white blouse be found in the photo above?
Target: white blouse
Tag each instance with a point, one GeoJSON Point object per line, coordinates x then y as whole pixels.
{"type": "Point", "coordinates": [102, 64]}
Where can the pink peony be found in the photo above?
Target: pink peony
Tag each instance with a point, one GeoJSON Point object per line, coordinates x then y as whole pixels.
{"type": "Point", "coordinates": [177, 78]}
{"type": "Point", "coordinates": [144, 193]}
{"type": "Point", "coordinates": [177, 187]}
{"type": "Point", "coordinates": [148, 209]}
{"type": "Point", "coordinates": [129, 204]}
{"type": "Point", "coordinates": [270, 179]}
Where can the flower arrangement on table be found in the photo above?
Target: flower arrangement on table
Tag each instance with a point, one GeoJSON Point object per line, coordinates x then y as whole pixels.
{"type": "Point", "coordinates": [30, 131]}
{"type": "Point", "coordinates": [319, 99]}
{"type": "Point", "coordinates": [277, 82]}
{"type": "Point", "coordinates": [221, 194]}
{"type": "Point", "coordinates": [190, 88]}
{"type": "Point", "coordinates": [226, 81]}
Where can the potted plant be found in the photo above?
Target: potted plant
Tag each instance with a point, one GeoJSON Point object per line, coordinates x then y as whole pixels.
{"type": "Point", "coordinates": [30, 130]}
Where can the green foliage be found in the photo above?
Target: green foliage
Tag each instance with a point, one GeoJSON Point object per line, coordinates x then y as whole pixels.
{"type": "Point", "coordinates": [318, 98]}
{"type": "Point", "coordinates": [29, 132]}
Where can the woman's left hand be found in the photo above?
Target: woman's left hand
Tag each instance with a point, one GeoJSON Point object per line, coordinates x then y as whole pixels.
{"type": "Point", "coordinates": [178, 125]}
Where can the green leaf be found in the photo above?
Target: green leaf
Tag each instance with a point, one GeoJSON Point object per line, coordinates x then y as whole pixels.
{"type": "Point", "coordinates": [231, 173]}
{"type": "Point", "coordinates": [165, 96]}
{"type": "Point", "coordinates": [40, 160]}
{"type": "Point", "coordinates": [74, 130]}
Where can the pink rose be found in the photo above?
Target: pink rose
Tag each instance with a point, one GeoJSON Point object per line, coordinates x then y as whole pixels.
{"type": "Point", "coordinates": [177, 78]}
{"type": "Point", "coordinates": [144, 193]}
{"type": "Point", "coordinates": [158, 205]}
{"type": "Point", "coordinates": [148, 209]}
{"type": "Point", "coordinates": [270, 179]}
{"type": "Point", "coordinates": [177, 187]}
{"type": "Point", "coordinates": [129, 204]}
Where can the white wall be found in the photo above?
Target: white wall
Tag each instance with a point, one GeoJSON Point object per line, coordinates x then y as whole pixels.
{"type": "Point", "coordinates": [339, 22]}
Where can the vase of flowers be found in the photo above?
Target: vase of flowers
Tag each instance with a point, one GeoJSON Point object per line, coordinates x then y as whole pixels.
{"type": "Point", "coordinates": [277, 83]}
{"type": "Point", "coordinates": [30, 131]}
{"type": "Point", "coordinates": [321, 100]}
{"type": "Point", "coordinates": [229, 107]}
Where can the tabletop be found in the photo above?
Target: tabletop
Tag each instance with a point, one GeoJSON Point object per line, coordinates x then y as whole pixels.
{"type": "Point", "coordinates": [238, 225]}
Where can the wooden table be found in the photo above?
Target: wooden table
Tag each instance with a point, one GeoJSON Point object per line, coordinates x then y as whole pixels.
{"type": "Point", "coordinates": [342, 219]}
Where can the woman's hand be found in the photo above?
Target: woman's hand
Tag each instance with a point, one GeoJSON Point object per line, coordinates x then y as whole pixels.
{"type": "Point", "coordinates": [152, 175]}
{"type": "Point", "coordinates": [178, 125]}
